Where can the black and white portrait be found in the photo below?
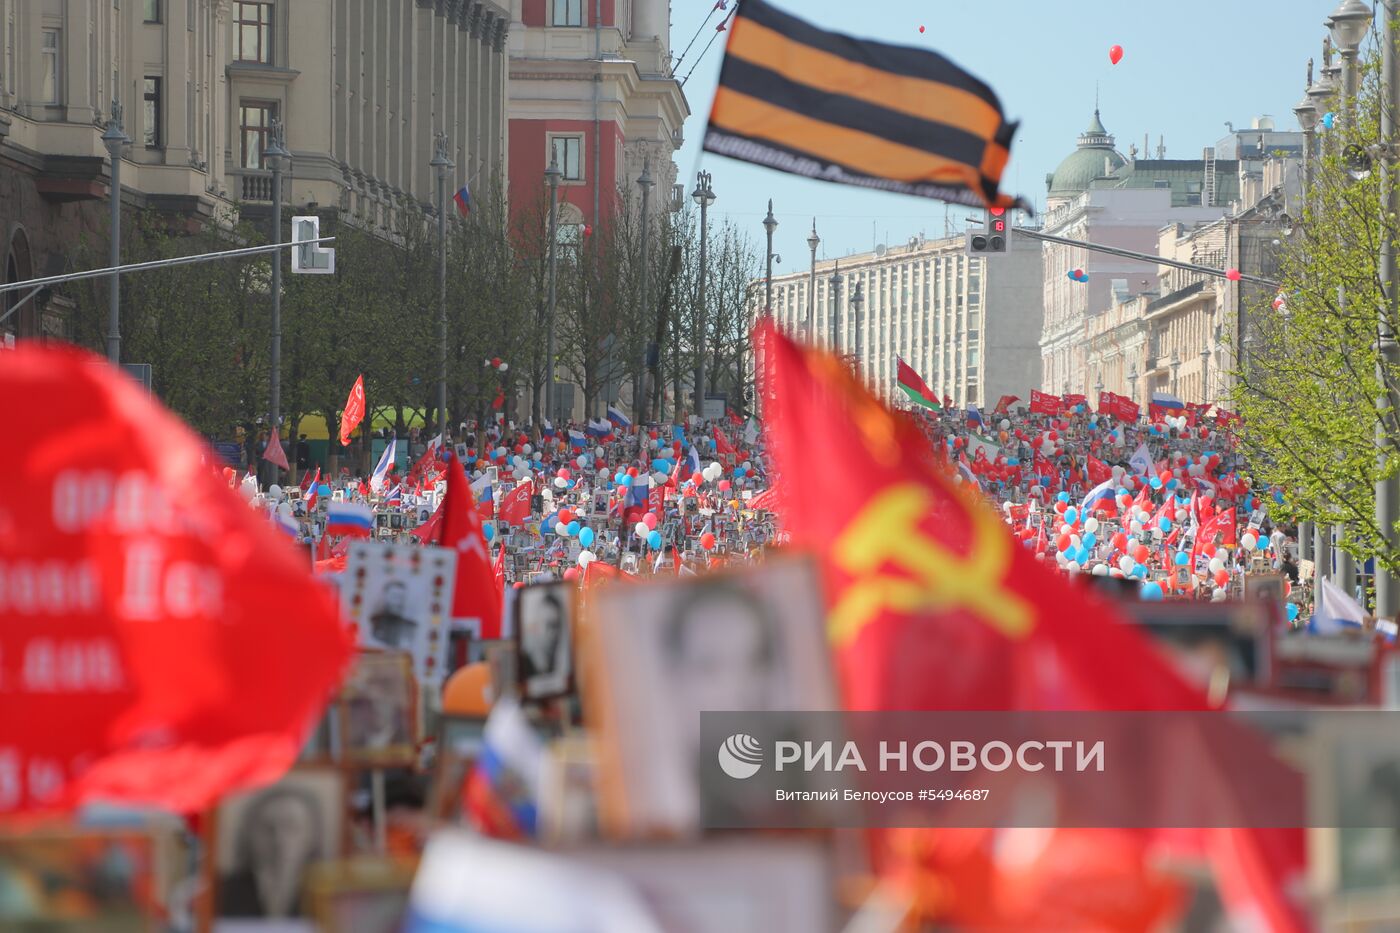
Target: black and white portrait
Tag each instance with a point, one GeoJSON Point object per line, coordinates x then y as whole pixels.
{"type": "Point", "coordinates": [544, 640]}
{"type": "Point", "coordinates": [400, 597]}
{"type": "Point", "coordinates": [378, 707]}
{"type": "Point", "coordinates": [266, 841]}
{"type": "Point", "coordinates": [665, 653]}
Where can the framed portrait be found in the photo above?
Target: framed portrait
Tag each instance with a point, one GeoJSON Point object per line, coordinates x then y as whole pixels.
{"type": "Point", "coordinates": [1265, 587]}
{"type": "Point", "coordinates": [727, 885]}
{"type": "Point", "coordinates": [659, 654]}
{"type": "Point", "coordinates": [263, 843]}
{"type": "Point", "coordinates": [568, 809]}
{"type": "Point", "coordinates": [59, 878]}
{"type": "Point", "coordinates": [400, 599]}
{"type": "Point", "coordinates": [378, 707]}
{"type": "Point", "coordinates": [543, 616]}
{"type": "Point", "coordinates": [363, 895]}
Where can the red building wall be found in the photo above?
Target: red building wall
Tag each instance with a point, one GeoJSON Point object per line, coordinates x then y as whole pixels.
{"type": "Point", "coordinates": [529, 158]}
{"type": "Point", "coordinates": [536, 12]}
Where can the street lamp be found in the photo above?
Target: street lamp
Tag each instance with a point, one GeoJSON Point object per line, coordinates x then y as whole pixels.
{"type": "Point", "coordinates": [1348, 24]}
{"type": "Point", "coordinates": [813, 241]}
{"type": "Point", "coordinates": [704, 195]}
{"type": "Point", "coordinates": [770, 224]}
{"type": "Point", "coordinates": [276, 157]}
{"type": "Point", "coordinates": [1306, 112]}
{"type": "Point", "coordinates": [114, 139]}
{"type": "Point", "coordinates": [1388, 351]}
{"type": "Point", "coordinates": [551, 177]}
{"type": "Point", "coordinates": [834, 287]}
{"type": "Point", "coordinates": [441, 164]}
{"type": "Point", "coordinates": [645, 182]}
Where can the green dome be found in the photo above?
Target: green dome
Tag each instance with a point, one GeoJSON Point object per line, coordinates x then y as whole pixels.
{"type": "Point", "coordinates": [1085, 163]}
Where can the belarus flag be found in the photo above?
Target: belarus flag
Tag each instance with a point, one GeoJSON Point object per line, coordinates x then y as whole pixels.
{"type": "Point", "coordinates": [914, 387]}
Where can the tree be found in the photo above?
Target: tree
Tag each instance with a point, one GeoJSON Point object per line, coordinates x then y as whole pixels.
{"type": "Point", "coordinates": [1307, 386]}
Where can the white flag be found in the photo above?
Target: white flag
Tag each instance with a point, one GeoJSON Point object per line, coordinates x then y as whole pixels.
{"type": "Point", "coordinates": [1141, 461]}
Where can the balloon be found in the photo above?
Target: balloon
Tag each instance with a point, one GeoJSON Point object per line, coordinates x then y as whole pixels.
{"type": "Point", "coordinates": [724, 485]}
{"type": "Point", "coordinates": [921, 30]}
{"type": "Point", "coordinates": [1232, 274]}
{"type": "Point", "coordinates": [1141, 553]}
{"type": "Point", "coordinates": [571, 574]}
{"type": "Point", "coordinates": [649, 519]}
{"type": "Point", "coordinates": [654, 540]}
{"type": "Point", "coordinates": [1216, 565]}
{"type": "Point", "coordinates": [586, 537]}
{"type": "Point", "coordinates": [1165, 524]}
{"type": "Point", "coordinates": [1249, 542]}
{"type": "Point", "coordinates": [1091, 524]}
{"type": "Point", "coordinates": [1152, 591]}
{"type": "Point", "coordinates": [585, 558]}
{"type": "Point", "coordinates": [561, 529]}
{"type": "Point", "coordinates": [640, 529]}
{"type": "Point", "coordinates": [1063, 497]}
{"type": "Point", "coordinates": [1071, 515]}
{"type": "Point", "coordinates": [707, 541]}
{"type": "Point", "coordinates": [626, 480]}
{"type": "Point", "coordinates": [1182, 558]}
{"type": "Point", "coordinates": [1328, 119]}
{"type": "Point", "coordinates": [1292, 611]}
{"type": "Point", "coordinates": [573, 528]}
{"type": "Point", "coordinates": [1222, 578]}
{"type": "Point", "coordinates": [1115, 53]}
{"type": "Point", "coordinates": [488, 531]}
{"type": "Point", "coordinates": [1125, 564]}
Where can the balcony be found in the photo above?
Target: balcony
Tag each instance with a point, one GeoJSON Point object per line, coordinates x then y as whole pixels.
{"type": "Point", "coordinates": [254, 185]}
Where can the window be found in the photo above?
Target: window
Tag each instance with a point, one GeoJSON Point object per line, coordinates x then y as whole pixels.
{"type": "Point", "coordinates": [152, 122]}
{"type": "Point", "coordinates": [152, 11]}
{"type": "Point", "coordinates": [255, 124]}
{"type": "Point", "coordinates": [568, 13]}
{"type": "Point", "coordinates": [50, 89]}
{"type": "Point", "coordinates": [252, 24]}
{"type": "Point", "coordinates": [568, 156]}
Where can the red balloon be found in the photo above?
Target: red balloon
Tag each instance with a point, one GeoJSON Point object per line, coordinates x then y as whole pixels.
{"type": "Point", "coordinates": [921, 29]}
{"type": "Point", "coordinates": [1120, 541]}
{"type": "Point", "coordinates": [1062, 543]}
{"type": "Point", "coordinates": [649, 519]}
{"type": "Point", "coordinates": [1165, 476]}
{"type": "Point", "coordinates": [496, 362]}
{"type": "Point", "coordinates": [571, 574]}
{"type": "Point", "coordinates": [1141, 553]}
{"type": "Point", "coordinates": [707, 541]}
{"type": "Point", "coordinates": [632, 471]}
{"type": "Point", "coordinates": [1232, 274]}
{"type": "Point", "coordinates": [724, 485]}
{"type": "Point", "coordinates": [1222, 577]}
{"type": "Point", "coordinates": [697, 477]}
{"type": "Point", "coordinates": [1115, 53]}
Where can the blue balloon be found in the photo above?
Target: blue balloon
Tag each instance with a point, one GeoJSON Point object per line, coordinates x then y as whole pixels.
{"type": "Point", "coordinates": [488, 531]}
{"type": "Point", "coordinates": [1278, 496]}
{"type": "Point", "coordinates": [1156, 482]}
{"type": "Point", "coordinates": [1063, 497]}
{"type": "Point", "coordinates": [1292, 611]}
{"type": "Point", "coordinates": [586, 536]}
{"type": "Point", "coordinates": [1182, 558]}
{"type": "Point", "coordinates": [1071, 515]}
{"type": "Point", "coordinates": [1165, 524]}
{"type": "Point", "coordinates": [573, 528]}
{"type": "Point", "coordinates": [626, 479]}
{"type": "Point", "coordinates": [1090, 540]}
{"type": "Point", "coordinates": [1152, 592]}
{"type": "Point", "coordinates": [654, 540]}
{"type": "Point", "coordinates": [1328, 119]}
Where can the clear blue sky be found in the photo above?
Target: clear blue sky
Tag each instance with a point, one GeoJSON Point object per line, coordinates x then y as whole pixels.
{"type": "Point", "coordinates": [1188, 66]}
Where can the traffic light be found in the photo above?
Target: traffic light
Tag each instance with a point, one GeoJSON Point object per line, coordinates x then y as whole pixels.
{"type": "Point", "coordinates": [994, 238]}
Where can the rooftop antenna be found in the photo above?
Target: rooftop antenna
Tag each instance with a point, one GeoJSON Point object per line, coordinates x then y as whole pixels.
{"type": "Point", "coordinates": [1161, 147]}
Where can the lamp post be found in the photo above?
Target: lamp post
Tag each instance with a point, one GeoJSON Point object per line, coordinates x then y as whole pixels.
{"type": "Point", "coordinates": [551, 177]}
{"type": "Point", "coordinates": [645, 182]}
{"type": "Point", "coordinates": [1306, 112]}
{"type": "Point", "coordinates": [704, 195]}
{"type": "Point", "coordinates": [834, 287]}
{"type": "Point", "coordinates": [1321, 93]}
{"type": "Point", "coordinates": [277, 157]}
{"type": "Point", "coordinates": [813, 241]}
{"type": "Point", "coordinates": [441, 164]}
{"type": "Point", "coordinates": [857, 323]}
{"type": "Point", "coordinates": [1388, 357]}
{"type": "Point", "coordinates": [770, 224]}
{"type": "Point", "coordinates": [114, 139]}
{"type": "Point", "coordinates": [1348, 24]}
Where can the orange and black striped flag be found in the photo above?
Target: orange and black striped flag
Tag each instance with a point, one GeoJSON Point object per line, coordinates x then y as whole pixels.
{"type": "Point", "coordinates": [825, 105]}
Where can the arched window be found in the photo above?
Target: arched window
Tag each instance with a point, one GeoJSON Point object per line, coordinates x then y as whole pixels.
{"type": "Point", "coordinates": [19, 266]}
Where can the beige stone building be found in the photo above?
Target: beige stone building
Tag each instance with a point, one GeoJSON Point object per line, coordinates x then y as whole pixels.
{"type": "Point", "coordinates": [361, 87]}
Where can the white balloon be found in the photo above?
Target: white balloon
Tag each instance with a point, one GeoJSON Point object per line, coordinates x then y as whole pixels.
{"type": "Point", "coordinates": [1135, 527]}
{"type": "Point", "coordinates": [1125, 563]}
{"type": "Point", "coordinates": [505, 366]}
{"type": "Point", "coordinates": [274, 492]}
{"type": "Point", "coordinates": [1100, 570]}
{"type": "Point", "coordinates": [1249, 542]}
{"type": "Point", "coordinates": [561, 529]}
{"type": "Point", "coordinates": [1216, 565]}
{"type": "Point", "coordinates": [1066, 529]}
{"type": "Point", "coordinates": [1091, 524]}
{"type": "Point", "coordinates": [560, 482]}
{"type": "Point", "coordinates": [1072, 566]}
{"type": "Point", "coordinates": [1005, 424]}
{"type": "Point", "coordinates": [1219, 594]}
{"type": "Point", "coordinates": [1075, 541]}
{"type": "Point", "coordinates": [659, 479]}
{"type": "Point", "coordinates": [640, 529]}
{"type": "Point", "coordinates": [527, 450]}
{"type": "Point", "coordinates": [586, 557]}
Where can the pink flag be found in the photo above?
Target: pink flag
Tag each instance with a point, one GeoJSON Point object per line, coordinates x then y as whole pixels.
{"type": "Point", "coordinates": [274, 453]}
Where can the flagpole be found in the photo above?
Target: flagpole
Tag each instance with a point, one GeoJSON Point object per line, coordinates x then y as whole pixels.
{"type": "Point", "coordinates": [442, 165]}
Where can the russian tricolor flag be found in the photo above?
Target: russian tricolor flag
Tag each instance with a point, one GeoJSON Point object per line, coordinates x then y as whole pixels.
{"type": "Point", "coordinates": [546, 428]}
{"type": "Point", "coordinates": [599, 428]}
{"type": "Point", "coordinates": [463, 200]}
{"type": "Point", "coordinates": [1167, 400]}
{"type": "Point", "coordinates": [349, 519]}
{"type": "Point", "coordinates": [577, 439]}
{"type": "Point", "coordinates": [618, 418]}
{"type": "Point", "coordinates": [693, 459]}
{"type": "Point", "coordinates": [386, 463]}
{"type": "Point", "coordinates": [1103, 492]}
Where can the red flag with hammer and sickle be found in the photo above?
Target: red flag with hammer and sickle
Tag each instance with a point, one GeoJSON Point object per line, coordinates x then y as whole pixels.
{"type": "Point", "coordinates": [933, 605]}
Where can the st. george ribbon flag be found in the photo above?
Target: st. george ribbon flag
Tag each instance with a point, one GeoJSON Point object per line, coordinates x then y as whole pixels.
{"type": "Point", "coordinates": [830, 106]}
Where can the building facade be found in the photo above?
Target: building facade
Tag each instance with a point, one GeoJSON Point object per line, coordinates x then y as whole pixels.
{"type": "Point", "coordinates": [591, 89]}
{"type": "Point", "coordinates": [968, 325]}
{"type": "Point", "coordinates": [361, 87]}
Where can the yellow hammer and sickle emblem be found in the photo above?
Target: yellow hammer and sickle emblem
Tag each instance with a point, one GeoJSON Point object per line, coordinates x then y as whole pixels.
{"type": "Point", "coordinates": [887, 530]}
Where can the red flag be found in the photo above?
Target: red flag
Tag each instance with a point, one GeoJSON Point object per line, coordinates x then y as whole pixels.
{"type": "Point", "coordinates": [499, 400]}
{"type": "Point", "coordinates": [1072, 399]}
{"type": "Point", "coordinates": [428, 531]}
{"type": "Point", "coordinates": [1043, 403]}
{"type": "Point", "coordinates": [498, 572]}
{"type": "Point", "coordinates": [273, 452]}
{"type": "Point", "coordinates": [181, 648]}
{"type": "Point", "coordinates": [656, 501]}
{"type": "Point", "coordinates": [722, 444]}
{"type": "Point", "coordinates": [1004, 403]}
{"type": "Point", "coordinates": [460, 529]}
{"type": "Point", "coordinates": [1098, 470]}
{"type": "Point", "coordinates": [354, 411]}
{"type": "Point", "coordinates": [934, 606]}
{"type": "Point", "coordinates": [515, 505]}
